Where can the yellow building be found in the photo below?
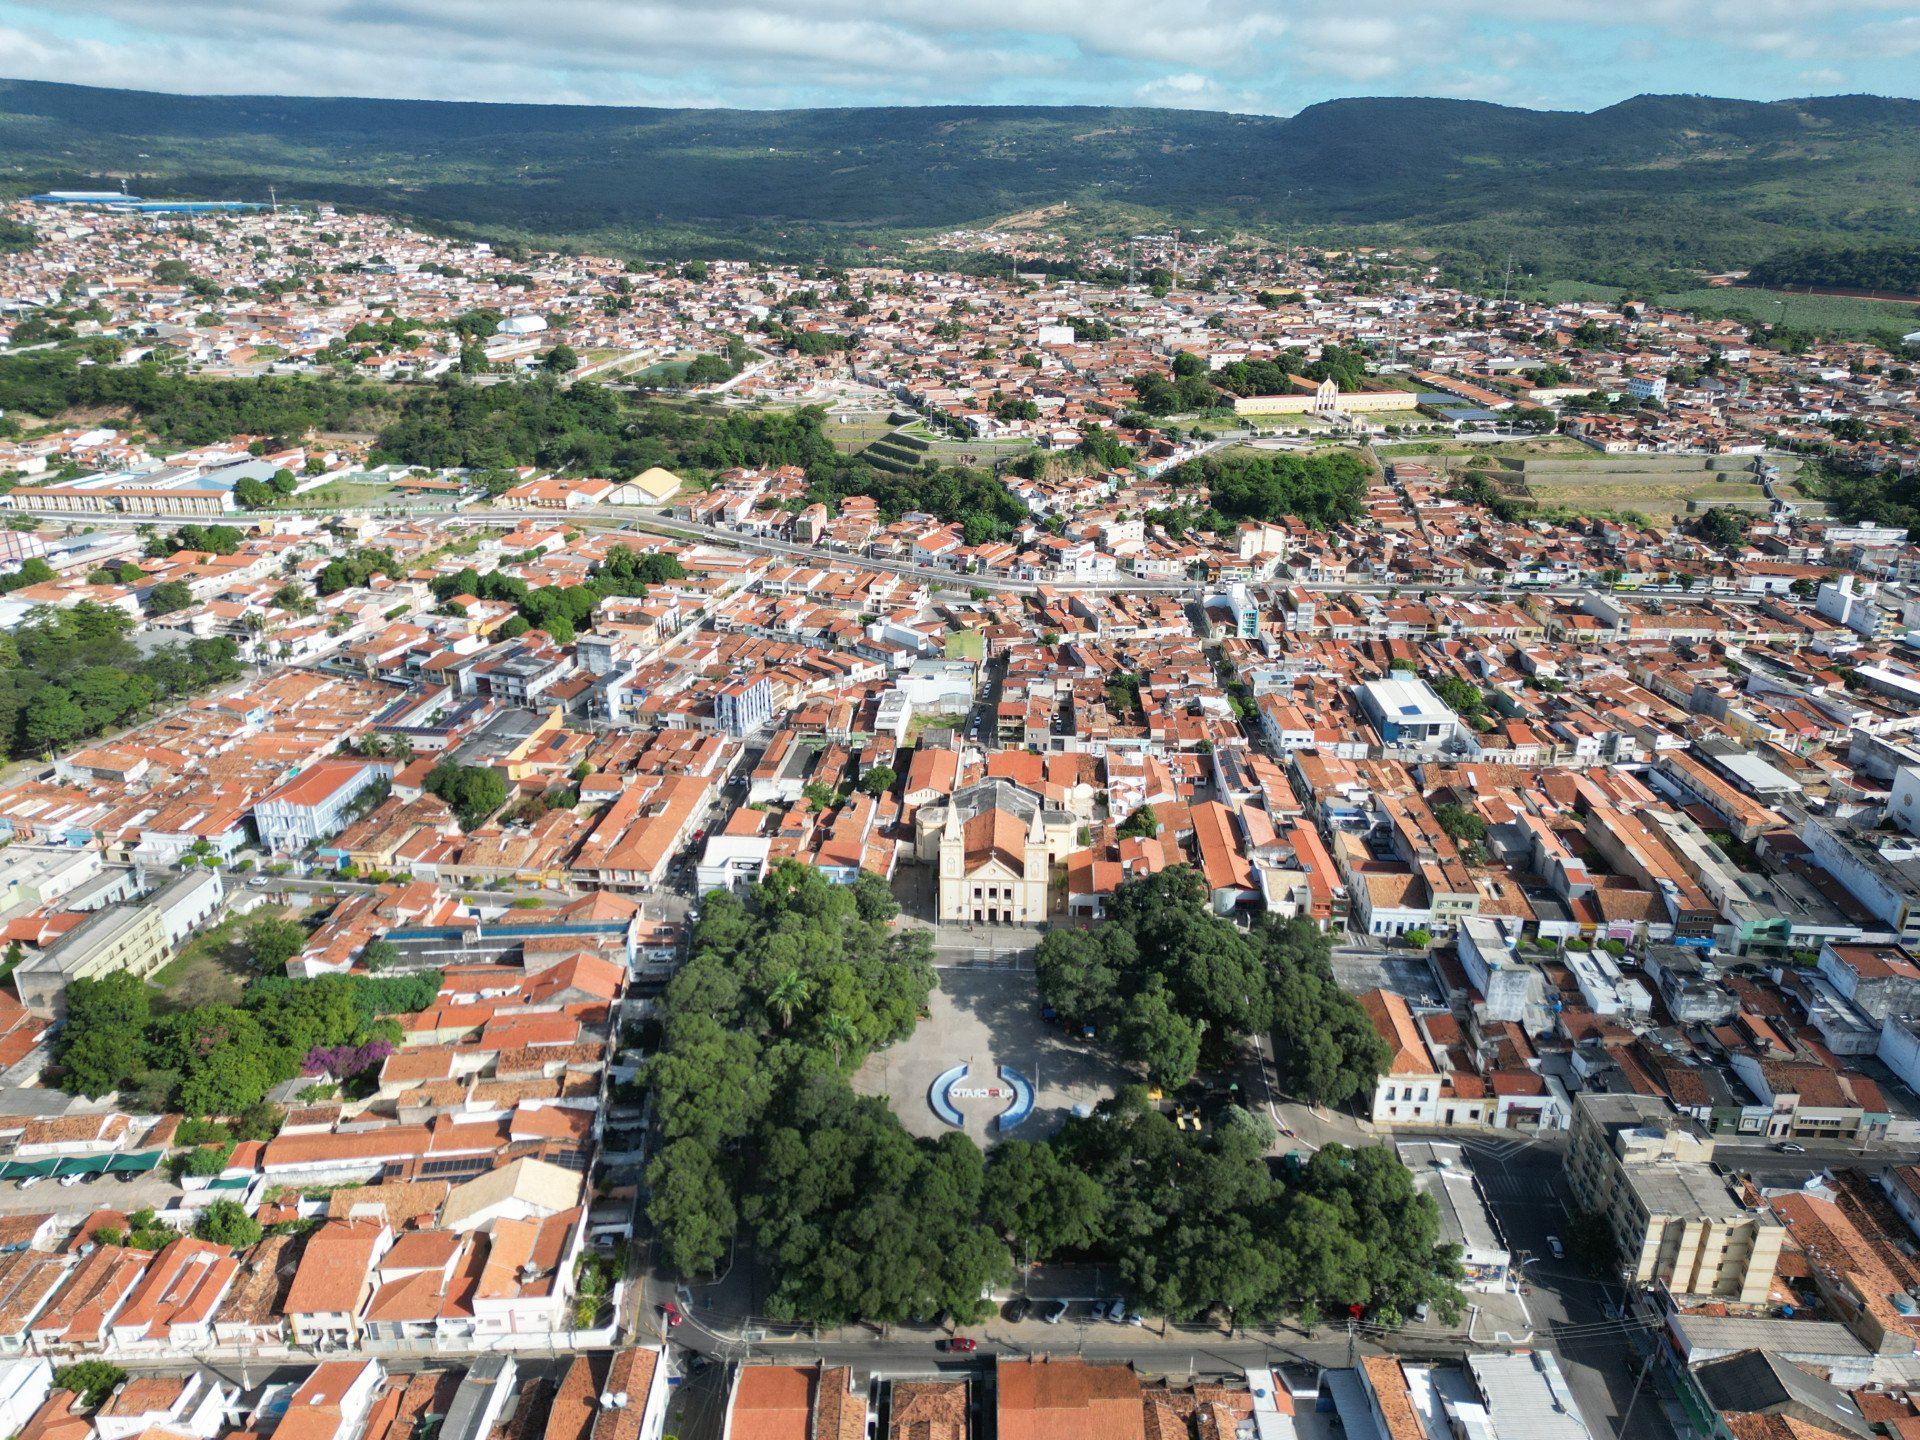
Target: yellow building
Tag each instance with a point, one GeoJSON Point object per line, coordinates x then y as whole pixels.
{"type": "Point", "coordinates": [120, 937]}
{"type": "Point", "coordinates": [1327, 399]}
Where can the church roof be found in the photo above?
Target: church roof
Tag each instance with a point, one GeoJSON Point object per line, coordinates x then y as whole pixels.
{"type": "Point", "coordinates": [997, 835]}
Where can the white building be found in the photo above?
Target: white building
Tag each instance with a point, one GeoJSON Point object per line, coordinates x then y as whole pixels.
{"type": "Point", "coordinates": [1440, 1171]}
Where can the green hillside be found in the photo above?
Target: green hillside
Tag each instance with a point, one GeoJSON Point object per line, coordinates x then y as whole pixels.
{"type": "Point", "coordinates": [1654, 189]}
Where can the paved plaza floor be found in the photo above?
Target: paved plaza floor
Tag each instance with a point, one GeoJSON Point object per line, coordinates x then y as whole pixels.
{"type": "Point", "coordinates": [985, 1017]}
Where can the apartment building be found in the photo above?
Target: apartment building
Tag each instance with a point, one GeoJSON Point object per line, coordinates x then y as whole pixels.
{"type": "Point", "coordinates": [1643, 1168]}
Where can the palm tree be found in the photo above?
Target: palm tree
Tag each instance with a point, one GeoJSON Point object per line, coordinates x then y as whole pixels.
{"type": "Point", "coordinates": [789, 991]}
{"type": "Point", "coordinates": [838, 1031]}
{"type": "Point", "coordinates": [401, 749]}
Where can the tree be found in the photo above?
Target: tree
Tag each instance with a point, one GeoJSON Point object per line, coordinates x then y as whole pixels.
{"type": "Point", "coordinates": [472, 792]}
{"type": "Point", "coordinates": [691, 1206]}
{"type": "Point", "coordinates": [253, 494]}
{"type": "Point", "coordinates": [272, 942]}
{"type": "Point", "coordinates": [167, 597]}
{"type": "Point", "coordinates": [560, 360]}
{"type": "Point", "coordinates": [1142, 823]}
{"type": "Point", "coordinates": [226, 1222]}
{"type": "Point", "coordinates": [103, 1045]}
{"type": "Point", "coordinates": [284, 482]}
{"type": "Point", "coordinates": [53, 720]}
{"type": "Point", "coordinates": [379, 955]}
{"type": "Point", "coordinates": [878, 779]}
{"type": "Point", "coordinates": [1044, 1206]}
{"type": "Point", "coordinates": [92, 1380]}
{"type": "Point", "coordinates": [1154, 1031]}
{"type": "Point", "coordinates": [1460, 822]}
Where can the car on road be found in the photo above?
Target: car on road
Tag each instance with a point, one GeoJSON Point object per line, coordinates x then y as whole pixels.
{"type": "Point", "coordinates": [958, 1345]}
{"type": "Point", "coordinates": [1787, 1147]}
{"type": "Point", "coordinates": [258, 882]}
{"type": "Point", "coordinates": [1017, 1308]}
{"type": "Point", "coordinates": [1053, 1314]}
{"type": "Point", "coordinates": [670, 1313]}
{"type": "Point", "coordinates": [1553, 1244]}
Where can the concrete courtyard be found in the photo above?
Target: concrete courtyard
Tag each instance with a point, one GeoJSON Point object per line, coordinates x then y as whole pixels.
{"type": "Point", "coordinates": [986, 1016]}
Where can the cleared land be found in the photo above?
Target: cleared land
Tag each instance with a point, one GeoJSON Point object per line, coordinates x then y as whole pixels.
{"type": "Point", "coordinates": [1840, 315]}
{"type": "Point", "coordinates": [1652, 496]}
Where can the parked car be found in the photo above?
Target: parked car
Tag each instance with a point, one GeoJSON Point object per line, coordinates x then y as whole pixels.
{"type": "Point", "coordinates": [28, 1182]}
{"type": "Point", "coordinates": [958, 1345]}
{"type": "Point", "coordinates": [1055, 1312]}
{"type": "Point", "coordinates": [1553, 1244]}
{"type": "Point", "coordinates": [1115, 1313]}
{"type": "Point", "coordinates": [1017, 1308]}
{"type": "Point", "coordinates": [1788, 1147]}
{"type": "Point", "coordinates": [68, 1181]}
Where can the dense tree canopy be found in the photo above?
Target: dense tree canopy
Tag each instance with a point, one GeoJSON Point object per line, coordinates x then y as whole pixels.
{"type": "Point", "coordinates": [220, 1059]}
{"type": "Point", "coordinates": [68, 674]}
{"type": "Point", "coordinates": [1169, 981]}
{"type": "Point", "coordinates": [1323, 489]}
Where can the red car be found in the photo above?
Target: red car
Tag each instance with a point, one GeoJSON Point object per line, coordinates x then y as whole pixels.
{"type": "Point", "coordinates": [959, 1345]}
{"type": "Point", "coordinates": [670, 1312]}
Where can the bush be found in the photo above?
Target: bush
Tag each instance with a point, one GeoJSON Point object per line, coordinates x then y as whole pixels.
{"type": "Point", "coordinates": [195, 1131]}
{"type": "Point", "coordinates": [92, 1380]}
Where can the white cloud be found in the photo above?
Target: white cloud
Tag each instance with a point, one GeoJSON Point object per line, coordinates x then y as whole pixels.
{"type": "Point", "coordinates": [1270, 55]}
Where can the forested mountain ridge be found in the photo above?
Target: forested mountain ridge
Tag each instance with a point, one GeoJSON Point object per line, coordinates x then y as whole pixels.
{"type": "Point", "coordinates": [1656, 183]}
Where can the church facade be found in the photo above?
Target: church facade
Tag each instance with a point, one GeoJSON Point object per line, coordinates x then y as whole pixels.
{"type": "Point", "coordinates": [994, 845]}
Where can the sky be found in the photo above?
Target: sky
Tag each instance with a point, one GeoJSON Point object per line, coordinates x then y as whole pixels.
{"type": "Point", "coordinates": [1257, 56]}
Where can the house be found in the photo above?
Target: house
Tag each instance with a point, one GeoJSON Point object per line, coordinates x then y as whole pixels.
{"type": "Point", "coordinates": [523, 1190]}
{"type": "Point", "coordinates": [331, 1287]}
{"type": "Point", "coordinates": [333, 1402]}
{"type": "Point", "coordinates": [1408, 1092]}
{"type": "Point", "coordinates": [174, 1305]}
{"type": "Point", "coordinates": [194, 1404]}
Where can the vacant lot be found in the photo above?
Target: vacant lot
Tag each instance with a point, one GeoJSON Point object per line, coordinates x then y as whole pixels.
{"type": "Point", "coordinates": [1664, 497]}
{"type": "Point", "coordinates": [855, 434]}
{"type": "Point", "coordinates": [985, 1017]}
{"type": "Point", "coordinates": [213, 968]}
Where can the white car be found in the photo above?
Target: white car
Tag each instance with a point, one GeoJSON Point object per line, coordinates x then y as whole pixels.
{"type": "Point", "coordinates": [67, 1181]}
{"type": "Point", "coordinates": [1559, 1250]}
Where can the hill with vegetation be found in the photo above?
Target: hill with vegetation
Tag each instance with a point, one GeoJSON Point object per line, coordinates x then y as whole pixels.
{"type": "Point", "coordinates": [1637, 193]}
{"type": "Point", "coordinates": [1891, 269]}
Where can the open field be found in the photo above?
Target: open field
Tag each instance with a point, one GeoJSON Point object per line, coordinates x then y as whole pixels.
{"type": "Point", "coordinates": [851, 436]}
{"type": "Point", "coordinates": [1554, 447]}
{"type": "Point", "coordinates": [1650, 497]}
{"type": "Point", "coordinates": [345, 494]}
{"type": "Point", "coordinates": [1839, 315]}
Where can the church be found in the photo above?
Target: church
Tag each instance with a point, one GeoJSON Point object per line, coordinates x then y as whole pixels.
{"type": "Point", "coordinates": [995, 844]}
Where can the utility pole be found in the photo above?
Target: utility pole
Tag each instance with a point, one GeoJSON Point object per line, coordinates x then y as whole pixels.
{"type": "Point", "coordinates": [1506, 279]}
{"type": "Point", "coordinates": [1626, 1420]}
{"type": "Point", "coordinates": [1351, 1338]}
